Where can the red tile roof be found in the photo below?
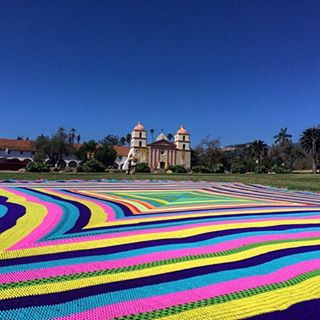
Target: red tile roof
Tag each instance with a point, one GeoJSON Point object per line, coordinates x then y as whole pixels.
{"type": "Point", "coordinates": [20, 145]}
{"type": "Point", "coordinates": [29, 145]}
{"type": "Point", "coordinates": [122, 151]}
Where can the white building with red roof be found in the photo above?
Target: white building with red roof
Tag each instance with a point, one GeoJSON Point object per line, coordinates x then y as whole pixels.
{"type": "Point", "coordinates": [162, 153]}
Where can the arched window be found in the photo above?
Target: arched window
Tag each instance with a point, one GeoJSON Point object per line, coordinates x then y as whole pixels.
{"type": "Point", "coordinates": [184, 147]}
{"type": "Point", "coordinates": [72, 164]}
{"type": "Point", "coordinates": [140, 135]}
{"type": "Point", "coordinates": [140, 143]}
{"type": "Point", "coordinates": [184, 138]}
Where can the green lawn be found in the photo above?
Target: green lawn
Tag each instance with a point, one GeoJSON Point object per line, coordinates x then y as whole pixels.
{"type": "Point", "coordinates": [291, 181]}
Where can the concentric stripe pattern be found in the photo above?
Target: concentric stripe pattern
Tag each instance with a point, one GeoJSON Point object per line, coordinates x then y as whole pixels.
{"type": "Point", "coordinates": [158, 250]}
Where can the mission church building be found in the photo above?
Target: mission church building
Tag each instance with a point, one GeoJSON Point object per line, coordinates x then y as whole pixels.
{"type": "Point", "coordinates": [161, 153]}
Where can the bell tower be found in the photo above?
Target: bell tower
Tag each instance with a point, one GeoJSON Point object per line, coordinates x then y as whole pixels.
{"type": "Point", "coordinates": [139, 136]}
{"type": "Point", "coordinates": [139, 143]}
{"type": "Point", "coordinates": [182, 143]}
{"type": "Point", "coordinates": [182, 139]}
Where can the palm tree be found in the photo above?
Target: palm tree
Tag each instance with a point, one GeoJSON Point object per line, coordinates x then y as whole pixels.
{"type": "Point", "coordinates": [310, 141]}
{"type": "Point", "coordinates": [72, 135]}
{"type": "Point", "coordinates": [170, 136]}
{"type": "Point", "coordinates": [282, 136]}
{"type": "Point", "coordinates": [152, 132]}
{"type": "Point", "coordinates": [259, 150]}
{"type": "Point", "coordinates": [61, 131]}
{"type": "Point", "coordinates": [78, 138]}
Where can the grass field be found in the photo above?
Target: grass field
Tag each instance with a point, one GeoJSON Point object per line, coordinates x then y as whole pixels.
{"type": "Point", "coordinates": [306, 182]}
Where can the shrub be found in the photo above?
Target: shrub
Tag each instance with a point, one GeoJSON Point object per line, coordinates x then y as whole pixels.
{"type": "Point", "coordinates": [37, 167]}
{"type": "Point", "coordinates": [201, 169]}
{"type": "Point", "coordinates": [142, 167]}
{"type": "Point", "coordinates": [93, 165]}
{"type": "Point", "coordinates": [178, 169]}
{"type": "Point", "coordinates": [280, 169]}
{"type": "Point", "coordinates": [80, 167]}
{"type": "Point", "coordinates": [218, 168]}
{"type": "Point", "coordinates": [261, 169]}
{"type": "Point", "coordinates": [238, 168]}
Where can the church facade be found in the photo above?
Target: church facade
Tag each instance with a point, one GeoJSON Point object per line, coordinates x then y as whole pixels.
{"type": "Point", "coordinates": [162, 153]}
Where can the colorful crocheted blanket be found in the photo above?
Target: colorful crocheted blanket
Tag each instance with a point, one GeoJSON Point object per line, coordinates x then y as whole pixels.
{"type": "Point", "coordinates": [158, 250]}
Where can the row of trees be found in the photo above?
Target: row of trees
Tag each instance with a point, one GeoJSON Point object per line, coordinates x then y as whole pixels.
{"type": "Point", "coordinates": [95, 156]}
{"type": "Point", "coordinates": [283, 156]}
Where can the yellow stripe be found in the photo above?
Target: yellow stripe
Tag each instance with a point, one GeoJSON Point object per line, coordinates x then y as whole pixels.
{"type": "Point", "coordinates": [135, 274]}
{"type": "Point", "coordinates": [98, 215]}
{"type": "Point", "coordinates": [32, 218]}
{"type": "Point", "coordinates": [280, 299]}
{"type": "Point", "coordinates": [144, 237]}
{"type": "Point", "coordinates": [197, 215]}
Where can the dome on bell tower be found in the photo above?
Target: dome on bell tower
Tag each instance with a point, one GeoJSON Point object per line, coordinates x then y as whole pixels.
{"type": "Point", "coordinates": [139, 127]}
{"type": "Point", "coordinates": [182, 130]}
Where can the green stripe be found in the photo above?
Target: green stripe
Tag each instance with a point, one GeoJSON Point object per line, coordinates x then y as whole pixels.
{"type": "Point", "coordinates": [220, 299]}
{"type": "Point", "coordinates": [84, 275]}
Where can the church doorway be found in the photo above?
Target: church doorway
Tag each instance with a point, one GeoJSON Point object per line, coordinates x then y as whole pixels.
{"type": "Point", "coordinates": [162, 165]}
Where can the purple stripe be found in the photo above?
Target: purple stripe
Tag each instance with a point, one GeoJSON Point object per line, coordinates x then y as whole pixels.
{"type": "Point", "coordinates": [64, 296]}
{"type": "Point", "coordinates": [15, 211]}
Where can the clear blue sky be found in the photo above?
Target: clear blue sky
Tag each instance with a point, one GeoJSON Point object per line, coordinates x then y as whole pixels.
{"type": "Point", "coordinates": [238, 70]}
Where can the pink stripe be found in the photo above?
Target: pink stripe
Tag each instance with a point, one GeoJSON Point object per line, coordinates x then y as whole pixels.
{"type": "Point", "coordinates": [156, 256]}
{"type": "Point", "coordinates": [109, 210]}
{"type": "Point", "coordinates": [182, 297]}
{"type": "Point", "coordinates": [51, 219]}
{"type": "Point", "coordinates": [171, 229]}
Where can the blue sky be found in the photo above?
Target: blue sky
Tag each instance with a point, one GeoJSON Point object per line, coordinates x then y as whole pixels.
{"type": "Point", "coordinates": [238, 70]}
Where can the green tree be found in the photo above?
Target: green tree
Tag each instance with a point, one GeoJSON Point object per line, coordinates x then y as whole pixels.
{"type": "Point", "coordinates": [310, 141]}
{"type": "Point", "coordinates": [92, 165]}
{"type": "Point", "coordinates": [111, 140]}
{"type": "Point", "coordinates": [209, 153]}
{"type": "Point", "coordinates": [286, 155]}
{"type": "Point", "coordinates": [106, 155]}
{"type": "Point", "coordinates": [259, 150]}
{"type": "Point", "coordinates": [87, 151]}
{"type": "Point", "coordinates": [240, 159]}
{"type": "Point", "coordinates": [282, 136]}
{"type": "Point", "coordinates": [54, 147]}
{"type": "Point", "coordinates": [39, 157]}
